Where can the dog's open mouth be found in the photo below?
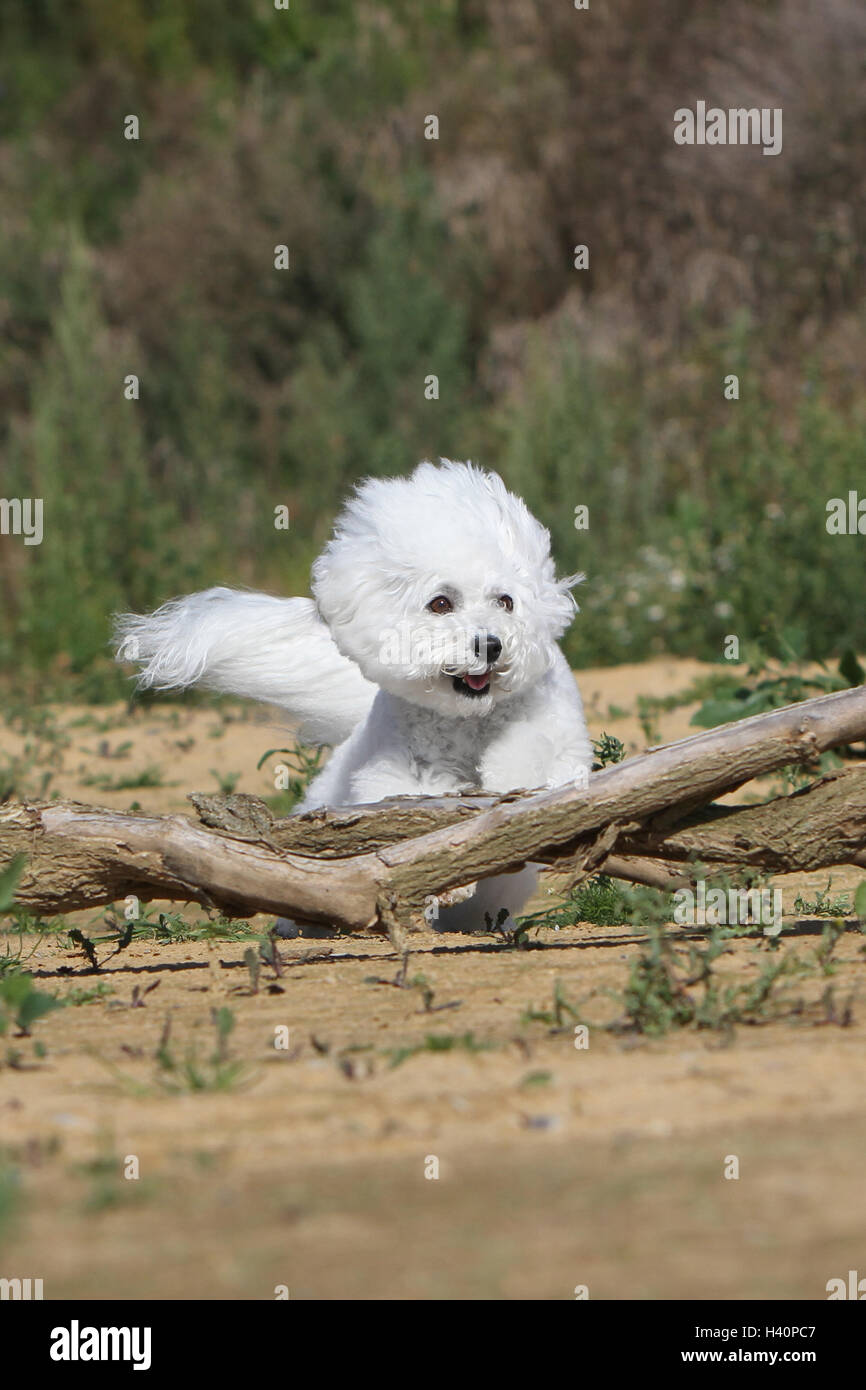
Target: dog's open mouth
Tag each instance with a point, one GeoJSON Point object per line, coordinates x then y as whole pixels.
{"type": "Point", "coordinates": [473, 686]}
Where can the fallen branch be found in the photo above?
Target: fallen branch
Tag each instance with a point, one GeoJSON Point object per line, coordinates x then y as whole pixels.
{"type": "Point", "coordinates": [368, 868]}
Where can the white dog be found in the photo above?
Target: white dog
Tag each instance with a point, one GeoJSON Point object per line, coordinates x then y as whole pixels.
{"type": "Point", "coordinates": [428, 658]}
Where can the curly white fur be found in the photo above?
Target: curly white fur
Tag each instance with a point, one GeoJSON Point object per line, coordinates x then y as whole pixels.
{"type": "Point", "coordinates": [473, 694]}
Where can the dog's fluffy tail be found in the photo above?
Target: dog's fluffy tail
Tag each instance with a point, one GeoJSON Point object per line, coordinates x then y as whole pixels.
{"type": "Point", "coordinates": [272, 649]}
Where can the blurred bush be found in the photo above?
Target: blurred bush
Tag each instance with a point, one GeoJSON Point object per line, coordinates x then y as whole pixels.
{"type": "Point", "coordinates": [412, 257]}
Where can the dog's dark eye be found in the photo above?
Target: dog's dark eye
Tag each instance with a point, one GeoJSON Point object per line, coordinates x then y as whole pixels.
{"type": "Point", "coordinates": [440, 604]}
{"type": "Point", "coordinates": [506, 601]}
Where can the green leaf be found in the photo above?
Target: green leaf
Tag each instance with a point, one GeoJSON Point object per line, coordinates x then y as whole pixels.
{"type": "Point", "coordinates": [36, 1005]}
{"type": "Point", "coordinates": [264, 758]}
{"type": "Point", "coordinates": [860, 901]}
{"type": "Point", "coordinates": [23, 1003]}
{"type": "Point", "coordinates": [9, 880]}
{"type": "Point", "coordinates": [14, 988]}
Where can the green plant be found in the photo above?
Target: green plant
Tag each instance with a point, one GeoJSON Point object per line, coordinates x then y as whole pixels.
{"type": "Point", "coordinates": [770, 684]}
{"type": "Point", "coordinates": [13, 957]}
{"type": "Point", "coordinates": [831, 935]}
{"type": "Point", "coordinates": [218, 1072]}
{"type": "Point", "coordinates": [437, 1042]}
{"type": "Point", "coordinates": [253, 962]}
{"type": "Point", "coordinates": [557, 1018]}
{"type": "Point", "coordinates": [109, 1184]}
{"type": "Point", "coordinates": [669, 988]}
{"type": "Point", "coordinates": [147, 777]}
{"type": "Point", "coordinates": [608, 749]}
{"type": "Point", "coordinates": [77, 997]}
{"type": "Point", "coordinates": [257, 384]}
{"type": "Point", "coordinates": [604, 902]}
{"type": "Point", "coordinates": [823, 905]}
{"type": "Point", "coordinates": [227, 780]}
{"type": "Point", "coordinates": [22, 1004]}
{"type": "Point", "coordinates": [170, 928]}
{"type": "Point", "coordinates": [307, 763]}
{"type": "Point", "coordinates": [10, 877]}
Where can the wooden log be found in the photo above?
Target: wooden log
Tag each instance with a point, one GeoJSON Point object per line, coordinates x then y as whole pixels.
{"type": "Point", "coordinates": [79, 856]}
{"type": "Point", "coordinates": [671, 780]}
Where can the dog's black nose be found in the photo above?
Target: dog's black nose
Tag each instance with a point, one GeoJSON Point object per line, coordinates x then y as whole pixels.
{"type": "Point", "coordinates": [489, 647]}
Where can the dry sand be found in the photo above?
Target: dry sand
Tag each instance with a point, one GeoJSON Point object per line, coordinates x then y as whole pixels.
{"type": "Point", "coordinates": [557, 1166]}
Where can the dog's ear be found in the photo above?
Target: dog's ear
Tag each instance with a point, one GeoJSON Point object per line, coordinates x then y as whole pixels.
{"type": "Point", "coordinates": [335, 596]}
{"type": "Point", "coordinates": [347, 590]}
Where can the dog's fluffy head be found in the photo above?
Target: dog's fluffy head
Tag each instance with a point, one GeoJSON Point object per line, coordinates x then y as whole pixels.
{"type": "Point", "coordinates": [442, 589]}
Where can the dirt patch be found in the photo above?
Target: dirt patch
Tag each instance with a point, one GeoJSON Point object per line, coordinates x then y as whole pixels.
{"type": "Point", "coordinates": [306, 1155]}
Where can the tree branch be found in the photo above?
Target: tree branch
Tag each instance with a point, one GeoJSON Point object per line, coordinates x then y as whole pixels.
{"type": "Point", "coordinates": [373, 867]}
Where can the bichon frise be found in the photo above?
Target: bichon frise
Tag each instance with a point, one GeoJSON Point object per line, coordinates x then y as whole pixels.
{"type": "Point", "coordinates": [427, 658]}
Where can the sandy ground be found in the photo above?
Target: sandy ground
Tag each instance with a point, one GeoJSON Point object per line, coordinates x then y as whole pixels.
{"type": "Point", "coordinates": [361, 1161]}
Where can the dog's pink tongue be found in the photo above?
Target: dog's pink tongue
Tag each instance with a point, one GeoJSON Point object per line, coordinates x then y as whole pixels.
{"type": "Point", "coordinates": [477, 682]}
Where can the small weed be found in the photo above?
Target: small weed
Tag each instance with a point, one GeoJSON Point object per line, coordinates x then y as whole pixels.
{"type": "Point", "coordinates": [672, 988]}
{"type": "Point", "coordinates": [420, 982]}
{"type": "Point", "coordinates": [148, 777]}
{"type": "Point", "coordinates": [831, 1014]}
{"type": "Point", "coordinates": [13, 958]}
{"type": "Point", "coordinates": [605, 903]}
{"type": "Point", "coordinates": [216, 1073]}
{"type": "Point", "coordinates": [831, 935]}
{"type": "Point", "coordinates": [84, 944]}
{"type": "Point", "coordinates": [822, 905]}
{"type": "Point", "coordinates": [170, 928]}
{"type": "Point", "coordinates": [608, 749]}
{"type": "Point", "coordinates": [269, 952]}
{"type": "Point", "coordinates": [77, 997]}
{"type": "Point", "coordinates": [253, 962]}
{"type": "Point", "coordinates": [105, 750]}
{"type": "Point", "coordinates": [227, 781]}
{"type": "Point", "coordinates": [556, 1018]}
{"type": "Point", "coordinates": [94, 723]}
{"type": "Point", "coordinates": [22, 1004]}
{"type": "Point", "coordinates": [306, 763]}
{"type": "Point", "coordinates": [110, 1185]}
{"type": "Point", "coordinates": [437, 1042]}
{"type": "Point", "coordinates": [139, 995]}
{"type": "Point", "coordinates": [647, 713]}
